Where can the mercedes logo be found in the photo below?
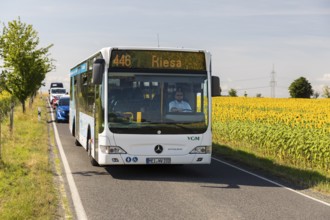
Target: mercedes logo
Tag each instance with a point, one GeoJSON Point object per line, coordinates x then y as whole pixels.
{"type": "Point", "coordinates": [158, 149]}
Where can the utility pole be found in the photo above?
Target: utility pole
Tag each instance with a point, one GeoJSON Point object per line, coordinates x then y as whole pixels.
{"type": "Point", "coordinates": [272, 83]}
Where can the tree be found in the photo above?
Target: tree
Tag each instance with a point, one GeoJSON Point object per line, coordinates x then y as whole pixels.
{"type": "Point", "coordinates": [301, 88]}
{"type": "Point", "coordinates": [326, 92]}
{"type": "Point", "coordinates": [25, 66]}
{"type": "Point", "coordinates": [232, 93]}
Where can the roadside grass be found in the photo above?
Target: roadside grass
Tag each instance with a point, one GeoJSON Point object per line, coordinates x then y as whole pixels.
{"type": "Point", "coordinates": [316, 180]}
{"type": "Point", "coordinates": [27, 189]}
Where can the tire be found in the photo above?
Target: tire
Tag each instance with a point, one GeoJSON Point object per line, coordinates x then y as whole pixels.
{"type": "Point", "coordinates": [89, 150]}
{"type": "Point", "coordinates": [73, 128]}
{"type": "Point", "coordinates": [77, 143]}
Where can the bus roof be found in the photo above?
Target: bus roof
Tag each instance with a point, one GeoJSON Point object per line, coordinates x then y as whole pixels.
{"type": "Point", "coordinates": [153, 48]}
{"type": "Point", "coordinates": [106, 50]}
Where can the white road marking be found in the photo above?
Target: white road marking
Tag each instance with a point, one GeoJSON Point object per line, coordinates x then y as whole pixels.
{"type": "Point", "coordinates": [271, 181]}
{"type": "Point", "coordinates": [79, 208]}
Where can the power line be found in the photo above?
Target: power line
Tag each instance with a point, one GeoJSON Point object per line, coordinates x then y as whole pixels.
{"type": "Point", "coordinates": [261, 87]}
{"type": "Point", "coordinates": [282, 87]}
{"type": "Point", "coordinates": [243, 80]}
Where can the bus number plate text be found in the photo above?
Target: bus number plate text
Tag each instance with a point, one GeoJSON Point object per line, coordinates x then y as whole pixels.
{"type": "Point", "coordinates": [158, 160]}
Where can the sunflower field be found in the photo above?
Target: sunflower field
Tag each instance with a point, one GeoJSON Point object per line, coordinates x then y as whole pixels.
{"type": "Point", "coordinates": [293, 132]}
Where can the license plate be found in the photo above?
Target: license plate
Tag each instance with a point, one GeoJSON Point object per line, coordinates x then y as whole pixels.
{"type": "Point", "coordinates": [158, 160]}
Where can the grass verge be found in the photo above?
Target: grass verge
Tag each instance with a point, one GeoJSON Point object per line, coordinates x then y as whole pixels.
{"type": "Point", "coordinates": [300, 178]}
{"type": "Point", "coordinates": [27, 188]}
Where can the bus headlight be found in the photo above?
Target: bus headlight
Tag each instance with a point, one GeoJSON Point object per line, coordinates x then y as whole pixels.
{"type": "Point", "coordinates": [201, 150]}
{"type": "Point", "coordinates": [112, 150]}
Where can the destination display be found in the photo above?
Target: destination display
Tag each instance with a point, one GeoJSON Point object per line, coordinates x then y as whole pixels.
{"type": "Point", "coordinates": [157, 60]}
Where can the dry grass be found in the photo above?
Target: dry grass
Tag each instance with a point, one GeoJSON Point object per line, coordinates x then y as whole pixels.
{"type": "Point", "coordinates": [27, 189]}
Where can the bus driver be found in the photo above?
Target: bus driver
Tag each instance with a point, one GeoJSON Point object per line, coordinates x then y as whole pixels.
{"type": "Point", "coordinates": [178, 105]}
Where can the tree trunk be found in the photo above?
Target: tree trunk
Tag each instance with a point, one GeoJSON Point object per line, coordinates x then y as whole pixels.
{"type": "Point", "coordinates": [31, 101]}
{"type": "Point", "coordinates": [11, 116]}
{"type": "Point", "coordinates": [23, 105]}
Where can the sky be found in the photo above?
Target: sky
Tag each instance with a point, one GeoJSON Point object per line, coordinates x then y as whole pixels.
{"type": "Point", "coordinates": [248, 40]}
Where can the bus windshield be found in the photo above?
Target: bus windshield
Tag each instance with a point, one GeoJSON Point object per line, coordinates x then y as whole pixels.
{"type": "Point", "coordinates": [145, 103]}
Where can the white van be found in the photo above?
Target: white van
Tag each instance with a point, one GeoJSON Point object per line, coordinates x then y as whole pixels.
{"type": "Point", "coordinates": [55, 94]}
{"type": "Point", "coordinates": [55, 85]}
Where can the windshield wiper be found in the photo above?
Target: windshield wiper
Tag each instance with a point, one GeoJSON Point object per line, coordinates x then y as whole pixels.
{"type": "Point", "coordinates": [183, 127]}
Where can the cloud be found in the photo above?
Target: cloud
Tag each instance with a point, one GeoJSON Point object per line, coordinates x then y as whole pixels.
{"type": "Point", "coordinates": [325, 78]}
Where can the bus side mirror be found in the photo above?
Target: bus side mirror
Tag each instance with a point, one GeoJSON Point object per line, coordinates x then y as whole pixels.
{"type": "Point", "coordinates": [216, 90]}
{"type": "Point", "coordinates": [98, 70]}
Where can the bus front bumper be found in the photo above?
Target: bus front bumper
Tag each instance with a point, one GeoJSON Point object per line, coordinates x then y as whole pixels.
{"type": "Point", "coordinates": [126, 159]}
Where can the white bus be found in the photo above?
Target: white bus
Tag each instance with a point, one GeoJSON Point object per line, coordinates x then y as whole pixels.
{"type": "Point", "coordinates": [119, 106]}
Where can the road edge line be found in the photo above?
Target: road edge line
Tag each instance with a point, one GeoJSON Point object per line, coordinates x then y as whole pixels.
{"type": "Point", "coordinates": [79, 208]}
{"type": "Point", "coordinates": [271, 181]}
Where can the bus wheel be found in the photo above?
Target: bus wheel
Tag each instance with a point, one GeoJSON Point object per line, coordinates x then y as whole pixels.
{"type": "Point", "coordinates": [74, 128]}
{"type": "Point", "coordinates": [89, 149]}
{"type": "Point", "coordinates": [77, 143]}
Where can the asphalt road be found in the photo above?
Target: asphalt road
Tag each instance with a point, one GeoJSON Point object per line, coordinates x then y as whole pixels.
{"type": "Point", "coordinates": [215, 191]}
